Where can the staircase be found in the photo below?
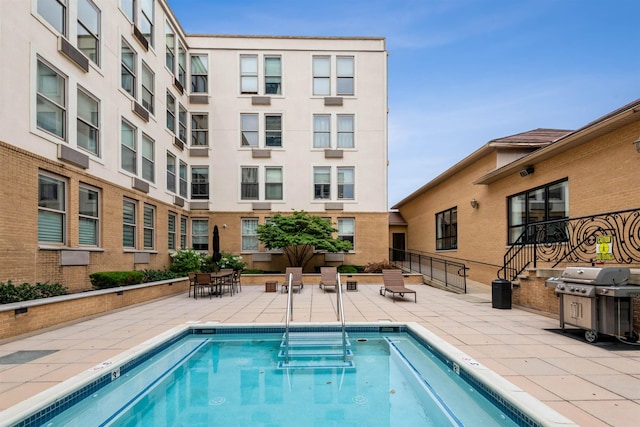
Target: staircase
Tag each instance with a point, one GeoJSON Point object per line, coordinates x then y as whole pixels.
{"type": "Point", "coordinates": [309, 350]}
{"type": "Point", "coordinates": [314, 350]}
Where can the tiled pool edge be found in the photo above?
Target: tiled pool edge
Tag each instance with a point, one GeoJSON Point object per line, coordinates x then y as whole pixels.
{"type": "Point", "coordinates": [521, 406]}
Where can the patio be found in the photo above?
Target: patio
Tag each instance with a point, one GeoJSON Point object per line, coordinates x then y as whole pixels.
{"type": "Point", "coordinates": [593, 385]}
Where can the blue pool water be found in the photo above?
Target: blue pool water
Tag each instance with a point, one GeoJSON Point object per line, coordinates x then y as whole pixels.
{"type": "Point", "coordinates": [233, 380]}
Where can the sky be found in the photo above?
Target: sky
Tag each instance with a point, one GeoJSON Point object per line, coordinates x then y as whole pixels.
{"type": "Point", "coordinates": [463, 72]}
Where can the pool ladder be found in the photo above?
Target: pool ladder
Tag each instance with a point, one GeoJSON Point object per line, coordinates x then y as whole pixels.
{"type": "Point", "coordinates": [309, 350]}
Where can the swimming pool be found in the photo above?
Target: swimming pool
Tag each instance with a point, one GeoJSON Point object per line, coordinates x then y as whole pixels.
{"type": "Point", "coordinates": [227, 375]}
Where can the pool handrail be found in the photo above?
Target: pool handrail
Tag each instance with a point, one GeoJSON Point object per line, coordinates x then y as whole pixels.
{"type": "Point", "coordinates": [341, 318]}
{"type": "Point", "coordinates": [289, 317]}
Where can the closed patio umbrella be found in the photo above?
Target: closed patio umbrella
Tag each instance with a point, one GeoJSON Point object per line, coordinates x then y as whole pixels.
{"type": "Point", "coordinates": [216, 244]}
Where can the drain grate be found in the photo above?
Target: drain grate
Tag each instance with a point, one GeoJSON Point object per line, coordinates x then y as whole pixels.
{"type": "Point", "coordinates": [24, 356]}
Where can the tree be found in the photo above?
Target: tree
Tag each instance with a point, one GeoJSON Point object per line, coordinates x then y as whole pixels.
{"type": "Point", "coordinates": [299, 235]}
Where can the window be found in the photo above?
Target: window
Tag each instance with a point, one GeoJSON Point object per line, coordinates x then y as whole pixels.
{"type": "Point", "coordinates": [88, 216]}
{"type": "Point", "coordinates": [273, 184]}
{"type": "Point", "coordinates": [249, 184]}
{"type": "Point", "coordinates": [249, 74]}
{"type": "Point", "coordinates": [447, 229]}
{"type": "Point", "coordinates": [147, 88]}
{"type": "Point", "coordinates": [88, 121]}
{"type": "Point", "coordinates": [51, 109]}
{"type": "Point", "coordinates": [200, 182]}
{"type": "Point", "coordinates": [273, 131]}
{"type": "Point", "coordinates": [148, 159]}
{"type": "Point", "coordinates": [200, 130]}
{"type": "Point", "coordinates": [52, 209]}
{"type": "Point", "coordinates": [200, 234]}
{"type": "Point", "coordinates": [321, 183]}
{"type": "Point", "coordinates": [171, 172]}
{"type": "Point", "coordinates": [89, 30]}
{"type": "Point", "coordinates": [182, 123]}
{"type": "Point", "coordinates": [55, 13]}
{"type": "Point", "coordinates": [183, 179]}
{"type": "Point", "coordinates": [347, 230]}
{"type": "Point", "coordinates": [146, 20]}
{"type": "Point", "coordinates": [128, 7]}
{"type": "Point", "coordinates": [321, 75]}
{"type": "Point", "coordinates": [170, 53]}
{"type": "Point", "coordinates": [128, 69]}
{"type": "Point", "coordinates": [171, 231]}
{"type": "Point", "coordinates": [272, 75]}
{"type": "Point", "coordinates": [346, 181]}
{"type": "Point", "coordinates": [129, 223]}
{"type": "Point", "coordinates": [149, 226]}
{"type": "Point", "coordinates": [183, 232]}
{"type": "Point", "coordinates": [344, 73]}
{"type": "Point", "coordinates": [345, 131]}
{"type": "Point", "coordinates": [250, 234]}
{"type": "Point", "coordinates": [182, 65]}
{"type": "Point", "coordinates": [249, 123]}
{"type": "Point", "coordinates": [199, 74]}
{"type": "Point", "coordinates": [546, 203]}
{"type": "Point", "coordinates": [321, 131]}
{"type": "Point", "coordinates": [128, 148]}
{"type": "Point", "coordinates": [171, 112]}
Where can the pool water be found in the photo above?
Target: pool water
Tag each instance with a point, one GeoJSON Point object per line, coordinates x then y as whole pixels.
{"type": "Point", "coordinates": [233, 380]}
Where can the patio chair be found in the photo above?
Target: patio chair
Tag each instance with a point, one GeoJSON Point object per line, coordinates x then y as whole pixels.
{"type": "Point", "coordinates": [296, 280]}
{"type": "Point", "coordinates": [394, 283]}
{"type": "Point", "coordinates": [226, 279]}
{"type": "Point", "coordinates": [192, 283]}
{"type": "Point", "coordinates": [237, 284]}
{"type": "Point", "coordinates": [328, 278]}
{"type": "Point", "coordinates": [203, 280]}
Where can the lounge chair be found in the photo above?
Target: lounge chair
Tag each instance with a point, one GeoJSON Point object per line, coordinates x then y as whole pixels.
{"type": "Point", "coordinates": [394, 283]}
{"type": "Point", "coordinates": [328, 278]}
{"type": "Point", "coordinates": [296, 280]}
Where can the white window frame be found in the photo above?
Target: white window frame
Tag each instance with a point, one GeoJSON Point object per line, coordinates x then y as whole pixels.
{"type": "Point", "coordinates": [172, 165]}
{"type": "Point", "coordinates": [203, 236]}
{"type": "Point", "coordinates": [149, 226]}
{"type": "Point", "coordinates": [170, 48]}
{"type": "Point", "coordinates": [319, 134]}
{"type": "Point", "coordinates": [93, 33]}
{"type": "Point", "coordinates": [61, 110]}
{"type": "Point", "coordinates": [148, 158]}
{"type": "Point", "coordinates": [344, 185]}
{"type": "Point", "coordinates": [86, 215]}
{"type": "Point", "coordinates": [249, 133]}
{"type": "Point", "coordinates": [126, 70]}
{"type": "Point", "coordinates": [182, 123]}
{"type": "Point", "coordinates": [249, 183]}
{"type": "Point", "coordinates": [345, 75]}
{"type": "Point", "coordinates": [273, 184]}
{"type": "Point", "coordinates": [132, 224]}
{"type": "Point", "coordinates": [183, 179]}
{"type": "Point", "coordinates": [199, 133]}
{"type": "Point", "coordinates": [127, 151]}
{"type": "Point", "coordinates": [348, 134]}
{"type": "Point", "coordinates": [52, 205]}
{"type": "Point", "coordinates": [147, 17]}
{"type": "Point", "coordinates": [147, 88]}
{"type": "Point", "coordinates": [201, 183]}
{"type": "Point", "coordinates": [198, 77]}
{"type": "Point", "coordinates": [184, 232]}
{"type": "Point", "coordinates": [249, 75]}
{"type": "Point", "coordinates": [91, 123]}
{"type": "Point", "coordinates": [249, 241]}
{"type": "Point", "coordinates": [276, 134]}
{"type": "Point", "coordinates": [342, 235]}
{"type": "Point", "coordinates": [63, 6]}
{"type": "Point", "coordinates": [317, 169]}
{"type": "Point", "coordinates": [172, 223]}
{"type": "Point", "coordinates": [171, 113]}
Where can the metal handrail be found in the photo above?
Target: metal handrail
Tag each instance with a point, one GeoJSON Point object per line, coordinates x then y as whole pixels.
{"type": "Point", "coordinates": [341, 318]}
{"type": "Point", "coordinates": [289, 317]}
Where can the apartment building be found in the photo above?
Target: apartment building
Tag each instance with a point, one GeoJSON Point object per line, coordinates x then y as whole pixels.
{"type": "Point", "coordinates": [123, 139]}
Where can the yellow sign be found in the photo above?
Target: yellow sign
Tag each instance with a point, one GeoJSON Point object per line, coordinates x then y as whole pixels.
{"type": "Point", "coordinates": [604, 248]}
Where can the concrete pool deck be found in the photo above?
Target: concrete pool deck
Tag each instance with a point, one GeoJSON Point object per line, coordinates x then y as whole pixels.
{"type": "Point", "coordinates": [593, 385]}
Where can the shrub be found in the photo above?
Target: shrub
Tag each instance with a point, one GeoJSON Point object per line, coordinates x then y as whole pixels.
{"type": "Point", "coordinates": [377, 267]}
{"type": "Point", "coordinates": [11, 293]}
{"type": "Point", "coordinates": [157, 275]}
{"type": "Point", "coordinates": [253, 271]}
{"type": "Point", "coordinates": [347, 269]}
{"type": "Point", "coordinates": [113, 279]}
{"type": "Point", "coordinates": [186, 261]}
{"type": "Point", "coordinates": [229, 260]}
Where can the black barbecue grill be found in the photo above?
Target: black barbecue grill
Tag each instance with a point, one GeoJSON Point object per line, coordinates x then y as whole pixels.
{"type": "Point", "coordinates": [598, 300]}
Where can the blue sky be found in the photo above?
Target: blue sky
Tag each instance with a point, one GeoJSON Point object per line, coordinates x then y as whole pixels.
{"type": "Point", "coordinates": [463, 72]}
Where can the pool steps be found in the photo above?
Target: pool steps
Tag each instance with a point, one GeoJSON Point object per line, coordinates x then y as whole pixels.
{"type": "Point", "coordinates": [312, 350]}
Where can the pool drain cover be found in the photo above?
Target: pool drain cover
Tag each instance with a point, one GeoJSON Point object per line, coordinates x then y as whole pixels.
{"type": "Point", "coordinates": [360, 400]}
{"type": "Point", "coordinates": [217, 401]}
{"type": "Point", "coordinates": [361, 340]}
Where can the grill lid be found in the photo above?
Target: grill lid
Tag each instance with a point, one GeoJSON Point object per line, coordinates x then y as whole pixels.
{"type": "Point", "coordinates": [610, 276]}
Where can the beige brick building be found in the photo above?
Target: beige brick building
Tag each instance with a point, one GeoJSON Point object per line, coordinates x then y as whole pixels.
{"type": "Point", "coordinates": [123, 139]}
{"type": "Point", "coordinates": [474, 211]}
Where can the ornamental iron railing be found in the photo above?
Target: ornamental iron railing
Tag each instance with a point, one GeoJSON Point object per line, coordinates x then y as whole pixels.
{"type": "Point", "coordinates": [609, 237]}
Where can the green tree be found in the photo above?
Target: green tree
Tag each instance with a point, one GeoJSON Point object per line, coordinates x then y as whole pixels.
{"type": "Point", "coordinates": [299, 235]}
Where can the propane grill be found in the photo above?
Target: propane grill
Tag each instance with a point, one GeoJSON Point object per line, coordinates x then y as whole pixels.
{"type": "Point", "coordinates": [596, 299]}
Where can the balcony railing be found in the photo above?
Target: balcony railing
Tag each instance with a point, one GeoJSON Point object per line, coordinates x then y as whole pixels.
{"type": "Point", "coordinates": [574, 241]}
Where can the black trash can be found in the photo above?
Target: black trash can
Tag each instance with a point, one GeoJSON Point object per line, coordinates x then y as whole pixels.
{"type": "Point", "coordinates": [501, 293]}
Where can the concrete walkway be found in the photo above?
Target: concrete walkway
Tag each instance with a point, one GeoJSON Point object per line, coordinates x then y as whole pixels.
{"type": "Point", "coordinates": [593, 385]}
